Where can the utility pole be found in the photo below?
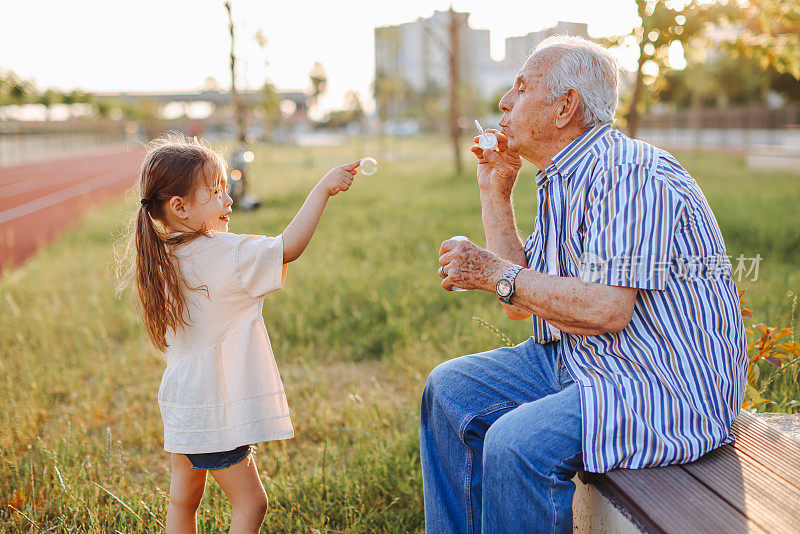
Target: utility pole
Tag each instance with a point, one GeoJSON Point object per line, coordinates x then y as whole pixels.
{"type": "Point", "coordinates": [237, 105]}
{"type": "Point", "coordinates": [455, 129]}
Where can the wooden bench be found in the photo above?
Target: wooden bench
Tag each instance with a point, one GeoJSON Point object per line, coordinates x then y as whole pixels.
{"type": "Point", "coordinates": [752, 485]}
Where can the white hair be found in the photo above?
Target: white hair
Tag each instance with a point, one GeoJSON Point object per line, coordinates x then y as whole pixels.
{"type": "Point", "coordinates": [586, 67]}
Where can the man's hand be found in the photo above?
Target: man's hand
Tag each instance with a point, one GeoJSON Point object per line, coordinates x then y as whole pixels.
{"type": "Point", "coordinates": [497, 168]}
{"type": "Point", "coordinates": [468, 266]}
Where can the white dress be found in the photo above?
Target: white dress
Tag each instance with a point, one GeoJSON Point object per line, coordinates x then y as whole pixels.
{"type": "Point", "coordinates": [221, 388]}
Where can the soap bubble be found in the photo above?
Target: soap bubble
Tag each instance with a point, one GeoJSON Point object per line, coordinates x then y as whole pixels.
{"type": "Point", "coordinates": [368, 166]}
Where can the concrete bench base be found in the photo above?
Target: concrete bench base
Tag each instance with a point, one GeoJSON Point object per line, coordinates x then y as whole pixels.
{"type": "Point", "coordinates": [595, 513]}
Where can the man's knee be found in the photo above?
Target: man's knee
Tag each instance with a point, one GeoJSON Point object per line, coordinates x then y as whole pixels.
{"type": "Point", "coordinates": [439, 381]}
{"type": "Point", "coordinates": [507, 442]}
{"type": "Point", "coordinates": [536, 436]}
{"type": "Point", "coordinates": [523, 436]}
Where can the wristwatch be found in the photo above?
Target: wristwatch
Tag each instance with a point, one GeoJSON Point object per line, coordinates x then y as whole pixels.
{"type": "Point", "coordinates": [505, 286]}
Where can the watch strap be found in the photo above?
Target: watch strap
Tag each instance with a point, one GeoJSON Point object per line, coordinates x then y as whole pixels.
{"type": "Point", "coordinates": [509, 276]}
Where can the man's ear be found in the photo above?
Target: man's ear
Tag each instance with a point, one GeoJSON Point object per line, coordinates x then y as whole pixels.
{"type": "Point", "coordinates": [178, 207]}
{"type": "Point", "coordinates": [567, 109]}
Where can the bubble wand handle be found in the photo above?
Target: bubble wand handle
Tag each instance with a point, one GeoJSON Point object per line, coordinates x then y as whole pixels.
{"type": "Point", "coordinates": [487, 141]}
{"type": "Point", "coordinates": [480, 128]}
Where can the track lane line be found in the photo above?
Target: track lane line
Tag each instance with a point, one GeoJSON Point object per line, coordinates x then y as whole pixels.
{"type": "Point", "coordinates": [62, 195]}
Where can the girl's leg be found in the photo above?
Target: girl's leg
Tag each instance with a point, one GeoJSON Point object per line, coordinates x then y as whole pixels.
{"type": "Point", "coordinates": [243, 488]}
{"type": "Point", "coordinates": [185, 492]}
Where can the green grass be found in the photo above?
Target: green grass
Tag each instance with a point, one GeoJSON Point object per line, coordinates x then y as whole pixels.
{"type": "Point", "coordinates": [360, 323]}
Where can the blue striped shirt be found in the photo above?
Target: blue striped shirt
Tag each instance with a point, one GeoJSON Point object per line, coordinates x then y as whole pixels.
{"type": "Point", "coordinates": [667, 388]}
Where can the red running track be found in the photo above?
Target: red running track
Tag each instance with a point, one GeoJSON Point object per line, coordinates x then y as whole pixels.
{"type": "Point", "coordinates": [39, 200]}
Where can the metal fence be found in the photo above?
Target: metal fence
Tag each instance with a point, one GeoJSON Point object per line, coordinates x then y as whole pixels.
{"type": "Point", "coordinates": [733, 128]}
{"type": "Point", "coordinates": [732, 118]}
{"type": "Point", "coordinates": [22, 141]}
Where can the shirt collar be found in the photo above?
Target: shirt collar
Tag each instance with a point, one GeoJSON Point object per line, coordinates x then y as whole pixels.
{"type": "Point", "coordinates": [568, 158]}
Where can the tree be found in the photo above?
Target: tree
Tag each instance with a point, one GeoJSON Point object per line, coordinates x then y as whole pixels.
{"type": "Point", "coordinates": [391, 94]}
{"type": "Point", "coordinates": [767, 30]}
{"type": "Point", "coordinates": [431, 105]}
{"type": "Point", "coordinates": [76, 96]}
{"type": "Point", "coordinates": [15, 90]}
{"type": "Point", "coordinates": [47, 99]}
{"type": "Point", "coordinates": [210, 84]}
{"type": "Point", "coordinates": [237, 105]}
{"type": "Point", "coordinates": [271, 102]}
{"type": "Point", "coordinates": [726, 80]}
{"type": "Point", "coordinates": [769, 33]}
{"type": "Point", "coordinates": [103, 108]}
{"type": "Point", "coordinates": [454, 51]}
{"type": "Point", "coordinates": [352, 104]}
{"type": "Point", "coordinates": [660, 27]}
{"type": "Point", "coordinates": [270, 99]}
{"type": "Point", "coordinates": [319, 82]}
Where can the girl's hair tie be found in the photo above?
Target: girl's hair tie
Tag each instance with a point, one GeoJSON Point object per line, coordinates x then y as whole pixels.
{"type": "Point", "coordinates": [146, 202]}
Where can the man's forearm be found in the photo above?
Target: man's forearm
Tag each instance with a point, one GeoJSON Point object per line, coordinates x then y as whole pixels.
{"type": "Point", "coordinates": [568, 303]}
{"type": "Point", "coordinates": [500, 227]}
{"type": "Point", "coordinates": [572, 305]}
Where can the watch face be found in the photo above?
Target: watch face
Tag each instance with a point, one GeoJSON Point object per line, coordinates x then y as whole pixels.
{"type": "Point", "coordinates": [503, 288]}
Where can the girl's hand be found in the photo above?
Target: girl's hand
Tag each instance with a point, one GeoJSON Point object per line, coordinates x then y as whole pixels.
{"type": "Point", "coordinates": [497, 168]}
{"type": "Point", "coordinates": [339, 178]}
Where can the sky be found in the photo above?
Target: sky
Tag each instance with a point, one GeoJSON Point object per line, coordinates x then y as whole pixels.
{"type": "Point", "coordinates": [173, 45]}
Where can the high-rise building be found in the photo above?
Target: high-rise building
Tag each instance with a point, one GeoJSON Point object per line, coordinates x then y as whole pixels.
{"type": "Point", "coordinates": [416, 56]}
{"type": "Point", "coordinates": [518, 48]}
{"type": "Point", "coordinates": [412, 59]}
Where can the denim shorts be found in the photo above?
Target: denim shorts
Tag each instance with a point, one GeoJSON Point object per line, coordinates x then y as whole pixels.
{"type": "Point", "coordinates": [219, 460]}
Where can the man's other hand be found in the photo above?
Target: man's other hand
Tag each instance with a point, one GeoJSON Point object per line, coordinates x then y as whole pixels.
{"type": "Point", "coordinates": [466, 265]}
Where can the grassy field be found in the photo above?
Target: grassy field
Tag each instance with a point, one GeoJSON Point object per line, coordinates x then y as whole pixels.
{"type": "Point", "coordinates": [360, 323]}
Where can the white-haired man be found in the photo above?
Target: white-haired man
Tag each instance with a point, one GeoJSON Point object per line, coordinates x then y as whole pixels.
{"type": "Point", "coordinates": [638, 354]}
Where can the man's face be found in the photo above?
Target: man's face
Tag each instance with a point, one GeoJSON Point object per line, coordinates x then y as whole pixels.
{"type": "Point", "coordinates": [528, 120]}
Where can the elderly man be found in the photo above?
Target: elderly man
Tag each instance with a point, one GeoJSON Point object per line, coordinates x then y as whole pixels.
{"type": "Point", "coordinates": [638, 354]}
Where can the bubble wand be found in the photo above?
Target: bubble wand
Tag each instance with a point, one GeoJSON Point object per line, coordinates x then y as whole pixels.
{"type": "Point", "coordinates": [487, 141]}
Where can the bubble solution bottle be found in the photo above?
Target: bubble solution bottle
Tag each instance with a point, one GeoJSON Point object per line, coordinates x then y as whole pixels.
{"type": "Point", "coordinates": [460, 238]}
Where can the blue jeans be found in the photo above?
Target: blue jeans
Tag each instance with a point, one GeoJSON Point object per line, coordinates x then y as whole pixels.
{"type": "Point", "coordinates": [500, 442]}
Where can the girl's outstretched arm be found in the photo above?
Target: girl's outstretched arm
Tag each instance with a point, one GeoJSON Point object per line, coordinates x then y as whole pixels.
{"type": "Point", "coordinates": [298, 234]}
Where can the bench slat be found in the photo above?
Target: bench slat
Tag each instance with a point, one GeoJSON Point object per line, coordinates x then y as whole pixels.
{"type": "Point", "coordinates": [776, 451]}
{"type": "Point", "coordinates": [691, 507]}
{"type": "Point", "coordinates": [750, 487]}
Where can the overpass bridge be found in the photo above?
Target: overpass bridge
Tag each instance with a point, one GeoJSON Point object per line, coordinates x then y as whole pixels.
{"type": "Point", "coordinates": [218, 98]}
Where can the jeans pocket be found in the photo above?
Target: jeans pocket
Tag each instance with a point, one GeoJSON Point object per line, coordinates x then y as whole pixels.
{"type": "Point", "coordinates": [562, 372]}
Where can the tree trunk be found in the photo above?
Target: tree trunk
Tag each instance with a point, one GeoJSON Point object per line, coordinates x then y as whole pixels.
{"type": "Point", "coordinates": [633, 112]}
{"type": "Point", "coordinates": [237, 107]}
{"type": "Point", "coordinates": [455, 130]}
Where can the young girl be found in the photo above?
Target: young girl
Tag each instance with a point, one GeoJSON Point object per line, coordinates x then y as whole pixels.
{"type": "Point", "coordinates": [201, 291]}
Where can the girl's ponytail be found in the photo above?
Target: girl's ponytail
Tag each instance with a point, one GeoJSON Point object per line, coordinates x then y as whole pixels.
{"type": "Point", "coordinates": [174, 166]}
{"type": "Point", "coordinates": [157, 282]}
